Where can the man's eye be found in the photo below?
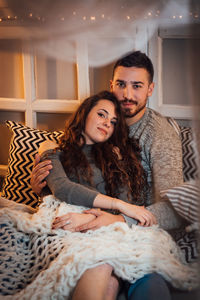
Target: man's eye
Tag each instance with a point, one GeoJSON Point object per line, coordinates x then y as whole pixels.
{"type": "Point", "coordinates": [120, 84]}
{"type": "Point", "coordinates": [137, 86]}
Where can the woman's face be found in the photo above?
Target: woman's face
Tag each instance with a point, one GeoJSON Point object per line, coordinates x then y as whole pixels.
{"type": "Point", "coordinates": [100, 122]}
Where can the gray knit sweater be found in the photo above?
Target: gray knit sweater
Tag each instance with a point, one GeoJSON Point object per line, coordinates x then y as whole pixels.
{"type": "Point", "coordinates": [161, 152]}
{"type": "Point", "coordinates": [67, 188]}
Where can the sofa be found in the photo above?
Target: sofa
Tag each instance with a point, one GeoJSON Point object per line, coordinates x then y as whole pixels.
{"type": "Point", "coordinates": [185, 199]}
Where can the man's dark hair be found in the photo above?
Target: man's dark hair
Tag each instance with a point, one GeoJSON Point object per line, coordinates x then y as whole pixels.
{"type": "Point", "coordinates": [136, 59]}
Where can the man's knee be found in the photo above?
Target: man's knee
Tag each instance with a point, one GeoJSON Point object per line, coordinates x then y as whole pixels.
{"type": "Point", "coordinates": [150, 287]}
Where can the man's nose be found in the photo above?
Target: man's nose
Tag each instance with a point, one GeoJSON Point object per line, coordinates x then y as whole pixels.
{"type": "Point", "coordinates": [128, 92]}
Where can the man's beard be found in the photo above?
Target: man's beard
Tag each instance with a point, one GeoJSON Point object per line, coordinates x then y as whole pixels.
{"type": "Point", "coordinates": [127, 111]}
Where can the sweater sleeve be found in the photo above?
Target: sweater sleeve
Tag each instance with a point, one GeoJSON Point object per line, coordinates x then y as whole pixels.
{"type": "Point", "coordinates": [166, 159]}
{"type": "Point", "coordinates": [166, 215]}
{"type": "Point", "coordinates": [167, 172]}
{"type": "Point", "coordinates": [130, 221]}
{"type": "Point", "coordinates": [62, 187]}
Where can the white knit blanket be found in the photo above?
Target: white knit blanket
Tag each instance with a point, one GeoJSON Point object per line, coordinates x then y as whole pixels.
{"type": "Point", "coordinates": [56, 259]}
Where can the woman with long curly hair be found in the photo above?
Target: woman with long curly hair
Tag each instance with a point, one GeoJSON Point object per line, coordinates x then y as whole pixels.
{"type": "Point", "coordinates": [97, 165]}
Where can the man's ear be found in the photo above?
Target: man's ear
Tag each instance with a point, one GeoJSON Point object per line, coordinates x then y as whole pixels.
{"type": "Point", "coordinates": [111, 85]}
{"type": "Point", "coordinates": [150, 89]}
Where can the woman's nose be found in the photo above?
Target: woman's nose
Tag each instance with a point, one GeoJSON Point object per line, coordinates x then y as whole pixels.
{"type": "Point", "coordinates": [107, 123]}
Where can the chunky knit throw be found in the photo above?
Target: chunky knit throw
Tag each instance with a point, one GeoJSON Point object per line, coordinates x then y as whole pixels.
{"type": "Point", "coordinates": [40, 263]}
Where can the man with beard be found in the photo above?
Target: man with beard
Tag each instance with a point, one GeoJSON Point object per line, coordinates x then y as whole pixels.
{"type": "Point", "coordinates": [133, 84]}
{"type": "Point", "coordinates": [161, 152]}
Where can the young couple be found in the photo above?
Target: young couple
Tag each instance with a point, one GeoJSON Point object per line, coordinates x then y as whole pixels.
{"type": "Point", "coordinates": [96, 164]}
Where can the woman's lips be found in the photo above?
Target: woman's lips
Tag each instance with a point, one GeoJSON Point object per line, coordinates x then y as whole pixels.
{"type": "Point", "coordinates": [102, 130]}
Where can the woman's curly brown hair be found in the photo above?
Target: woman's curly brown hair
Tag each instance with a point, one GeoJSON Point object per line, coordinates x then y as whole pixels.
{"type": "Point", "coordinates": [118, 173]}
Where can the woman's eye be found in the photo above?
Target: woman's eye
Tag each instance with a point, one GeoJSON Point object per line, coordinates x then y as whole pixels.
{"type": "Point", "coordinates": [114, 123]}
{"type": "Point", "coordinates": [101, 115]}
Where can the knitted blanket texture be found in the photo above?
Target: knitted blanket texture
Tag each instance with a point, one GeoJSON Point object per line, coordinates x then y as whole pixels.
{"type": "Point", "coordinates": [37, 262]}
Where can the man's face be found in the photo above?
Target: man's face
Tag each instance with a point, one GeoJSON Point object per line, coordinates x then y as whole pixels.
{"type": "Point", "coordinates": [132, 88]}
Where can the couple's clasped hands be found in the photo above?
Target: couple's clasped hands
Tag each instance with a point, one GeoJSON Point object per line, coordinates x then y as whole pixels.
{"type": "Point", "coordinates": [93, 219]}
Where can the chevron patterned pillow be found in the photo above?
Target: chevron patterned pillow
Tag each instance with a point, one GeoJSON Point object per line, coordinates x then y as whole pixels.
{"type": "Point", "coordinates": [190, 170]}
{"type": "Point", "coordinates": [24, 145]}
{"type": "Point", "coordinates": [189, 244]}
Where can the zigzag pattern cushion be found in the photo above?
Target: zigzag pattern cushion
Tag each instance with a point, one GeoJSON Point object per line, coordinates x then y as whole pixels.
{"type": "Point", "coordinates": [190, 170]}
{"type": "Point", "coordinates": [24, 145]}
{"type": "Point", "coordinates": [186, 200]}
{"type": "Point", "coordinates": [188, 243]}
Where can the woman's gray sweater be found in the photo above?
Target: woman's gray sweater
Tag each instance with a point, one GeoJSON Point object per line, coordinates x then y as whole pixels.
{"type": "Point", "coordinates": [66, 187]}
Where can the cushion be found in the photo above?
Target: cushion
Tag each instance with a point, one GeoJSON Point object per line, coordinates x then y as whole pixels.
{"type": "Point", "coordinates": [174, 124]}
{"type": "Point", "coordinates": [24, 145]}
{"type": "Point", "coordinates": [185, 200]}
{"type": "Point", "coordinates": [190, 170]}
{"type": "Point", "coordinates": [188, 242]}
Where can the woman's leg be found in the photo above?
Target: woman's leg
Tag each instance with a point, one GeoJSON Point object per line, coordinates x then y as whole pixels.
{"type": "Point", "coordinates": [96, 284]}
{"type": "Point", "coordinates": [112, 289]}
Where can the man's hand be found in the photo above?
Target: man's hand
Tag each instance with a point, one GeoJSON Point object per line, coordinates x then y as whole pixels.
{"type": "Point", "coordinates": [102, 219]}
{"type": "Point", "coordinates": [72, 220]}
{"type": "Point", "coordinates": [39, 173]}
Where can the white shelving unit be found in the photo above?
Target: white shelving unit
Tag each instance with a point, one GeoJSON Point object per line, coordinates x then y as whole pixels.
{"type": "Point", "coordinates": [173, 94]}
{"type": "Point", "coordinates": [30, 105]}
{"type": "Point", "coordinates": [76, 79]}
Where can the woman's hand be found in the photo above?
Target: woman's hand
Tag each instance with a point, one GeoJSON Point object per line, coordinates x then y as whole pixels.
{"type": "Point", "coordinates": [72, 220]}
{"type": "Point", "coordinates": [102, 219]}
{"type": "Point", "coordinates": [140, 213]}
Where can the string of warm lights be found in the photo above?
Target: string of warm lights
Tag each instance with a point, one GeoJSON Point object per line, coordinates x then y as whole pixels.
{"type": "Point", "coordinates": [31, 18]}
